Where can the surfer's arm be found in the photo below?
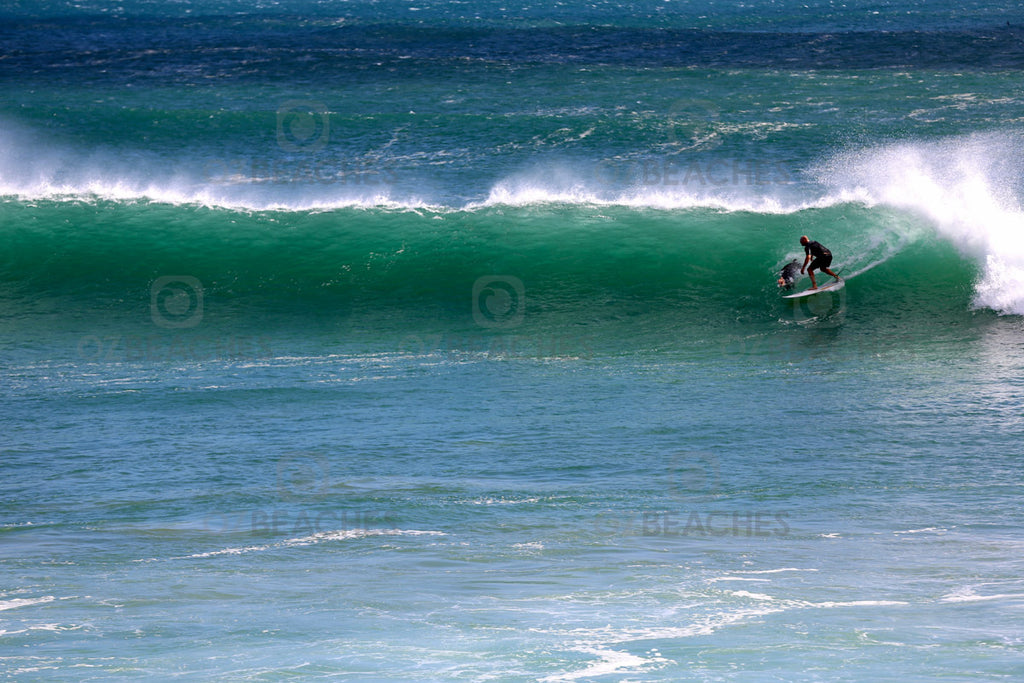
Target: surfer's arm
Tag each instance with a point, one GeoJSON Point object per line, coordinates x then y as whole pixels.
{"type": "Point", "coordinates": [807, 259]}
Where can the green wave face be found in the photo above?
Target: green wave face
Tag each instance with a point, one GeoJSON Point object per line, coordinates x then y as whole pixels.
{"type": "Point", "coordinates": [602, 270]}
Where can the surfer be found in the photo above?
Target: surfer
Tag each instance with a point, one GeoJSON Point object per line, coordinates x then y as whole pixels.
{"type": "Point", "coordinates": [822, 259]}
{"type": "Point", "coordinates": [788, 275]}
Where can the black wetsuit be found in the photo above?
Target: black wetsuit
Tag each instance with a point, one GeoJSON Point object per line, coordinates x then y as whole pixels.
{"type": "Point", "coordinates": [789, 272]}
{"type": "Point", "coordinates": [822, 256]}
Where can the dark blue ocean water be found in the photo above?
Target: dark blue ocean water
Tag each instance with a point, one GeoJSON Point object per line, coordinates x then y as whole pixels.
{"type": "Point", "coordinates": [442, 341]}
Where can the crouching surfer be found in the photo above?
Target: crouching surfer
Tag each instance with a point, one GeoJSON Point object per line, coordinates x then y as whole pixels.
{"type": "Point", "coordinates": [788, 275]}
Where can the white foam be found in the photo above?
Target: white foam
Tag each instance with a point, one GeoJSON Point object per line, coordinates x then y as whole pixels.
{"type": "Point", "coordinates": [606, 642]}
{"type": "Point", "coordinates": [557, 185]}
{"type": "Point", "coordinates": [35, 168]}
{"type": "Point", "coordinates": [24, 602]}
{"type": "Point", "coordinates": [773, 571]}
{"type": "Point", "coordinates": [968, 594]}
{"type": "Point", "coordinates": [968, 187]}
{"type": "Point", "coordinates": [312, 539]}
{"type": "Point", "coordinates": [504, 501]}
{"type": "Point", "coordinates": [605, 637]}
{"type": "Point", "coordinates": [611, 662]}
{"type": "Point", "coordinates": [856, 603]}
{"type": "Point", "coordinates": [806, 604]}
{"type": "Point", "coordinates": [752, 596]}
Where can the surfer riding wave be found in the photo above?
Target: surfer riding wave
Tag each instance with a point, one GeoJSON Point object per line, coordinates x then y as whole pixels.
{"type": "Point", "coordinates": [822, 259]}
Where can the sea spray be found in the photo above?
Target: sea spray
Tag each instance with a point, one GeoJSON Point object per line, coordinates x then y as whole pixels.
{"type": "Point", "coordinates": [967, 187]}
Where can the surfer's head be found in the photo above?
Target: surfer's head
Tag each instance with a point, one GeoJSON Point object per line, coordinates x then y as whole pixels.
{"type": "Point", "coordinates": [804, 240]}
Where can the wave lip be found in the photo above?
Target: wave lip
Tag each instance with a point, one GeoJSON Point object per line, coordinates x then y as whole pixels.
{"type": "Point", "coordinates": [34, 168]}
{"type": "Point", "coordinates": [726, 185]}
{"type": "Point", "coordinates": [968, 187]}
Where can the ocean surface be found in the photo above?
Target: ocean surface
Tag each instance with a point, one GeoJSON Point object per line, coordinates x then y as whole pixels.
{"type": "Point", "coordinates": [441, 341]}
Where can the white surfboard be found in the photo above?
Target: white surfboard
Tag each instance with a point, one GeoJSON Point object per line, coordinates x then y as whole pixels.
{"type": "Point", "coordinates": [833, 286]}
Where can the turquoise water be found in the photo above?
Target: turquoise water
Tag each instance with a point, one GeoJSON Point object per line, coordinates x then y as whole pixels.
{"type": "Point", "coordinates": [441, 341]}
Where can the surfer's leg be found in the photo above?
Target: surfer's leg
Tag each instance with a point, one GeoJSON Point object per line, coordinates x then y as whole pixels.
{"type": "Point", "coordinates": [815, 265]}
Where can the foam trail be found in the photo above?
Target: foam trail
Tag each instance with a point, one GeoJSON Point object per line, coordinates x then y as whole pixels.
{"type": "Point", "coordinates": [967, 187]}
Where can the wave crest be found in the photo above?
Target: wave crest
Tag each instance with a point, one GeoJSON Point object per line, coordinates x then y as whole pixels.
{"type": "Point", "coordinates": [967, 187]}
